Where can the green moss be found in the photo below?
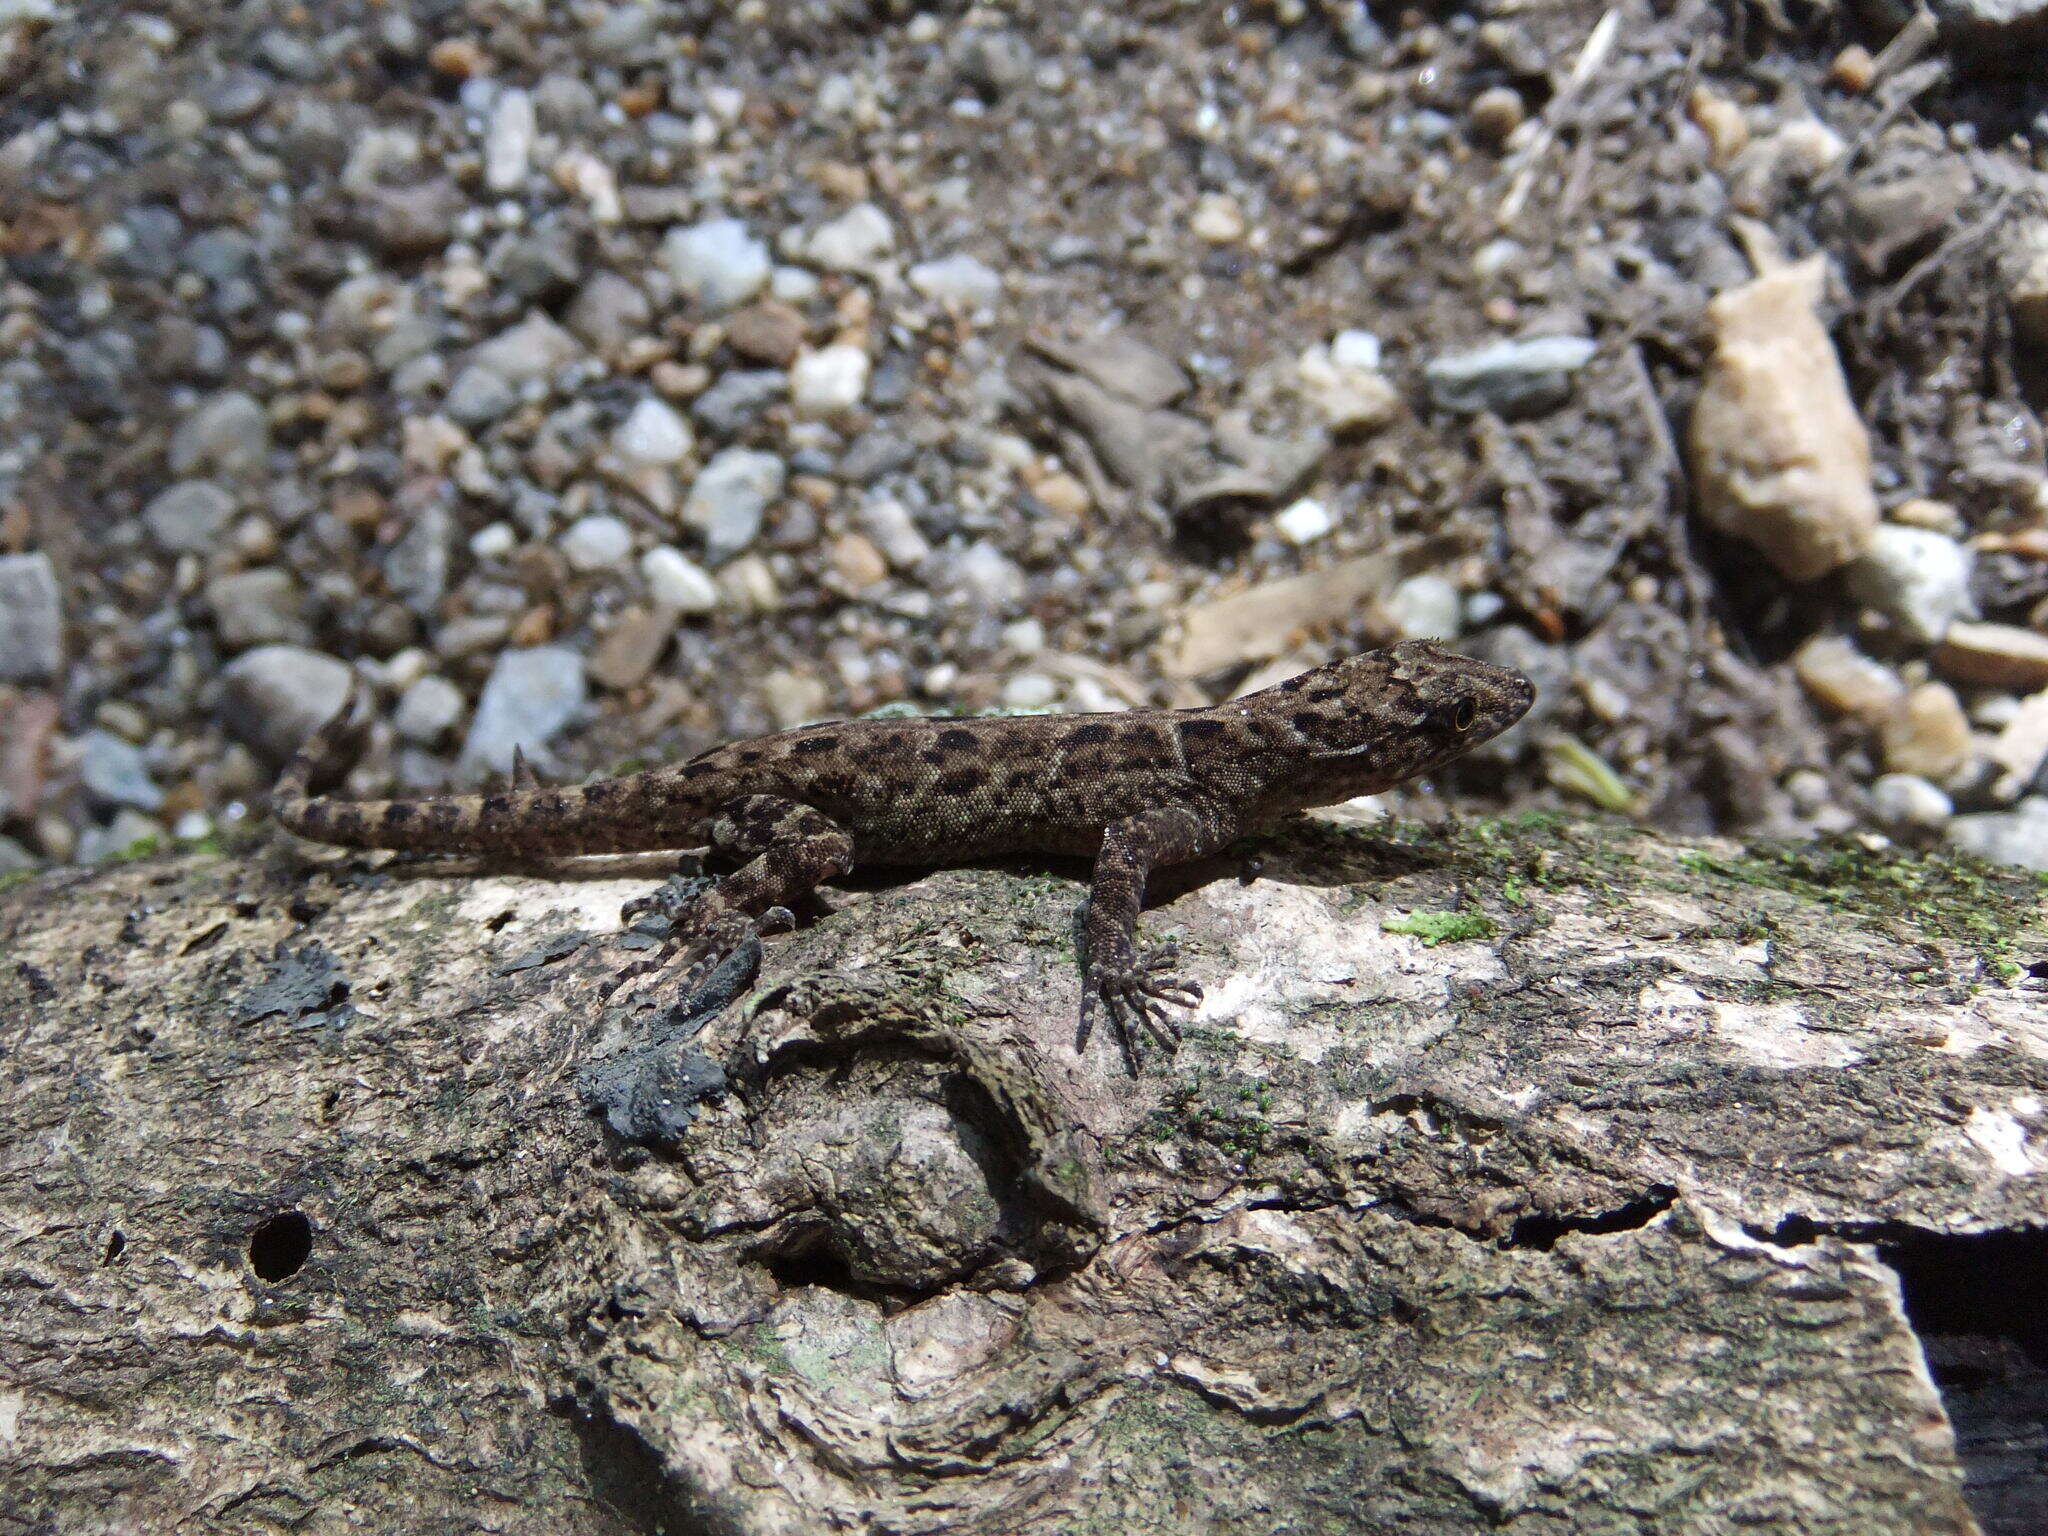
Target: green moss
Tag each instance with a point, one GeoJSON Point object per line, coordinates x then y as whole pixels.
{"type": "Point", "coordinates": [1231, 1114]}
{"type": "Point", "coordinates": [1986, 907]}
{"type": "Point", "coordinates": [1435, 928]}
{"type": "Point", "coordinates": [14, 877]}
{"type": "Point", "coordinates": [147, 846]}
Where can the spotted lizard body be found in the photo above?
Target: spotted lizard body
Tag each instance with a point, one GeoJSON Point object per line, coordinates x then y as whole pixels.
{"type": "Point", "coordinates": [1134, 791]}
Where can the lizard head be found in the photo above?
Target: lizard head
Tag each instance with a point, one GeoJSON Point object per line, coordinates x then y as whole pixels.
{"type": "Point", "coordinates": [1369, 721]}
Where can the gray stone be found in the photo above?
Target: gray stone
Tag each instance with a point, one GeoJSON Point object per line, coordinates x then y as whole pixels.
{"type": "Point", "coordinates": [189, 517]}
{"type": "Point", "coordinates": [677, 582]}
{"type": "Point", "coordinates": [228, 435]}
{"type": "Point", "coordinates": [738, 398]}
{"type": "Point", "coordinates": [262, 606]}
{"type": "Point", "coordinates": [1918, 579]}
{"type": "Point", "coordinates": [596, 543]}
{"type": "Point", "coordinates": [113, 773]}
{"type": "Point", "coordinates": [957, 279]}
{"type": "Point", "coordinates": [717, 263]}
{"type": "Point", "coordinates": [478, 397]}
{"type": "Point", "coordinates": [277, 695]}
{"type": "Point", "coordinates": [531, 695]}
{"type": "Point", "coordinates": [1426, 607]}
{"type": "Point", "coordinates": [1905, 802]}
{"type": "Point", "coordinates": [729, 498]}
{"type": "Point", "coordinates": [416, 566]}
{"type": "Point", "coordinates": [529, 351]}
{"type": "Point", "coordinates": [2018, 836]}
{"type": "Point", "coordinates": [1509, 378]}
{"type": "Point", "coordinates": [853, 242]}
{"type": "Point", "coordinates": [428, 710]}
{"type": "Point", "coordinates": [31, 619]}
{"type": "Point", "coordinates": [15, 859]}
{"type": "Point", "coordinates": [653, 433]}
{"type": "Point", "coordinates": [875, 454]}
{"type": "Point", "coordinates": [609, 311]}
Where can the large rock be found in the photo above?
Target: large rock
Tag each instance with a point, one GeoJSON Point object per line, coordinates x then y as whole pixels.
{"type": "Point", "coordinates": [277, 695]}
{"type": "Point", "coordinates": [531, 695]}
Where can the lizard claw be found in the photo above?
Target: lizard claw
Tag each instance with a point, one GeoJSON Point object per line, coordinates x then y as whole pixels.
{"type": "Point", "coordinates": [1139, 1001]}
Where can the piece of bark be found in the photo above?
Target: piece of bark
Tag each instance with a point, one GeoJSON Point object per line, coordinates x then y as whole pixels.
{"type": "Point", "coordinates": [1551, 1204]}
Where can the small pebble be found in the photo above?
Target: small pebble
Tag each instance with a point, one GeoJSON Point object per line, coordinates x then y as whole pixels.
{"type": "Point", "coordinates": [263, 606]}
{"type": "Point", "coordinates": [853, 242]}
{"type": "Point", "coordinates": [1217, 219]}
{"type": "Point", "coordinates": [189, 517]}
{"type": "Point", "coordinates": [1509, 378]}
{"type": "Point", "coordinates": [1425, 607]}
{"type": "Point", "coordinates": [494, 541]}
{"type": "Point", "coordinates": [508, 142]}
{"type": "Point", "coordinates": [530, 696]}
{"type": "Point", "coordinates": [1497, 112]}
{"type": "Point", "coordinates": [729, 498]}
{"type": "Point", "coordinates": [2018, 836]}
{"type": "Point", "coordinates": [958, 279]}
{"type": "Point", "coordinates": [718, 263]}
{"type": "Point", "coordinates": [1304, 521]}
{"type": "Point", "coordinates": [829, 380]}
{"type": "Point", "coordinates": [654, 433]}
{"type": "Point", "coordinates": [767, 332]}
{"type": "Point", "coordinates": [1902, 802]}
{"type": "Point", "coordinates": [1029, 690]}
{"type": "Point", "coordinates": [428, 710]}
{"type": "Point", "coordinates": [113, 773]}
{"type": "Point", "coordinates": [676, 582]}
{"type": "Point", "coordinates": [478, 397]}
{"type": "Point", "coordinates": [1994, 656]}
{"type": "Point", "coordinates": [31, 619]}
{"type": "Point", "coordinates": [596, 543]}
{"type": "Point", "coordinates": [1918, 579]}
{"type": "Point", "coordinates": [1844, 680]}
{"type": "Point", "coordinates": [1853, 69]}
{"type": "Point", "coordinates": [1926, 734]}
{"type": "Point", "coordinates": [275, 696]}
{"type": "Point", "coordinates": [228, 435]}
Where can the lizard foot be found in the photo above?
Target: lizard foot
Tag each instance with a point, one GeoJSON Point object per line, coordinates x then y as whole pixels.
{"type": "Point", "coordinates": [1138, 1000]}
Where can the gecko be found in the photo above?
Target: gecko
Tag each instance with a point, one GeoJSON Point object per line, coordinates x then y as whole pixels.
{"type": "Point", "coordinates": [1133, 791]}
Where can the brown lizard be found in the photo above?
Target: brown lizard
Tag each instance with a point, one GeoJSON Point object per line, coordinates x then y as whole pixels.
{"type": "Point", "coordinates": [1133, 791]}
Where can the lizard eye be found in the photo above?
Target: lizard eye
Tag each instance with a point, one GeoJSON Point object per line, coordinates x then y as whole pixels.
{"type": "Point", "coordinates": [1464, 715]}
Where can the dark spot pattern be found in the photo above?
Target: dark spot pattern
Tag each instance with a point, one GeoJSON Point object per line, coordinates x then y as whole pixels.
{"type": "Point", "coordinates": [401, 813]}
{"type": "Point", "coordinates": [815, 744]}
{"type": "Point", "coordinates": [963, 782]}
{"type": "Point", "coordinates": [497, 805]}
{"type": "Point", "coordinates": [955, 739]}
{"type": "Point", "coordinates": [1088, 735]}
{"type": "Point", "coordinates": [1203, 730]}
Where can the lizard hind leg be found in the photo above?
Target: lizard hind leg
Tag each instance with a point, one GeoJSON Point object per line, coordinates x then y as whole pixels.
{"type": "Point", "coordinates": [789, 849]}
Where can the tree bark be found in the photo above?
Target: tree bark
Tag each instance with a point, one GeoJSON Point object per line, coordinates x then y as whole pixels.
{"type": "Point", "coordinates": [1522, 1177]}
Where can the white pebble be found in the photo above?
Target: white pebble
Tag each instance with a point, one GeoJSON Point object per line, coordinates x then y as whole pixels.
{"type": "Point", "coordinates": [1902, 800]}
{"type": "Point", "coordinates": [427, 711]}
{"type": "Point", "coordinates": [508, 144]}
{"type": "Point", "coordinates": [596, 543]}
{"type": "Point", "coordinates": [1425, 607]}
{"type": "Point", "coordinates": [1356, 349]}
{"type": "Point", "coordinates": [677, 582]}
{"type": "Point", "coordinates": [856, 239]}
{"type": "Point", "coordinates": [1304, 522]}
{"type": "Point", "coordinates": [494, 541]}
{"type": "Point", "coordinates": [829, 380]}
{"type": "Point", "coordinates": [1917, 578]}
{"type": "Point", "coordinates": [1029, 690]}
{"type": "Point", "coordinates": [717, 262]}
{"type": "Point", "coordinates": [653, 433]}
{"type": "Point", "coordinates": [957, 279]}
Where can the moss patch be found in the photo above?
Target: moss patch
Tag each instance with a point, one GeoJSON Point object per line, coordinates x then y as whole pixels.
{"type": "Point", "coordinates": [1991, 909]}
{"type": "Point", "coordinates": [1435, 928]}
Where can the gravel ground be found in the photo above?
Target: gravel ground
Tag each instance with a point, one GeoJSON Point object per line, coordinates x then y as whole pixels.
{"type": "Point", "coordinates": [613, 379]}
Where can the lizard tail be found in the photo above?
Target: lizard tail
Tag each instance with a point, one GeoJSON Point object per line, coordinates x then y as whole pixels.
{"type": "Point", "coordinates": [623, 815]}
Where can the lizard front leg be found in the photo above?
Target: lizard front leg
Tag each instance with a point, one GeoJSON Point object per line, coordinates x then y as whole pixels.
{"type": "Point", "coordinates": [788, 848]}
{"type": "Point", "coordinates": [1137, 989]}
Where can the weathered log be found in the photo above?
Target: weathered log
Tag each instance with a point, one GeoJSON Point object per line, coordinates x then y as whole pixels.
{"type": "Point", "coordinates": [1522, 1177]}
